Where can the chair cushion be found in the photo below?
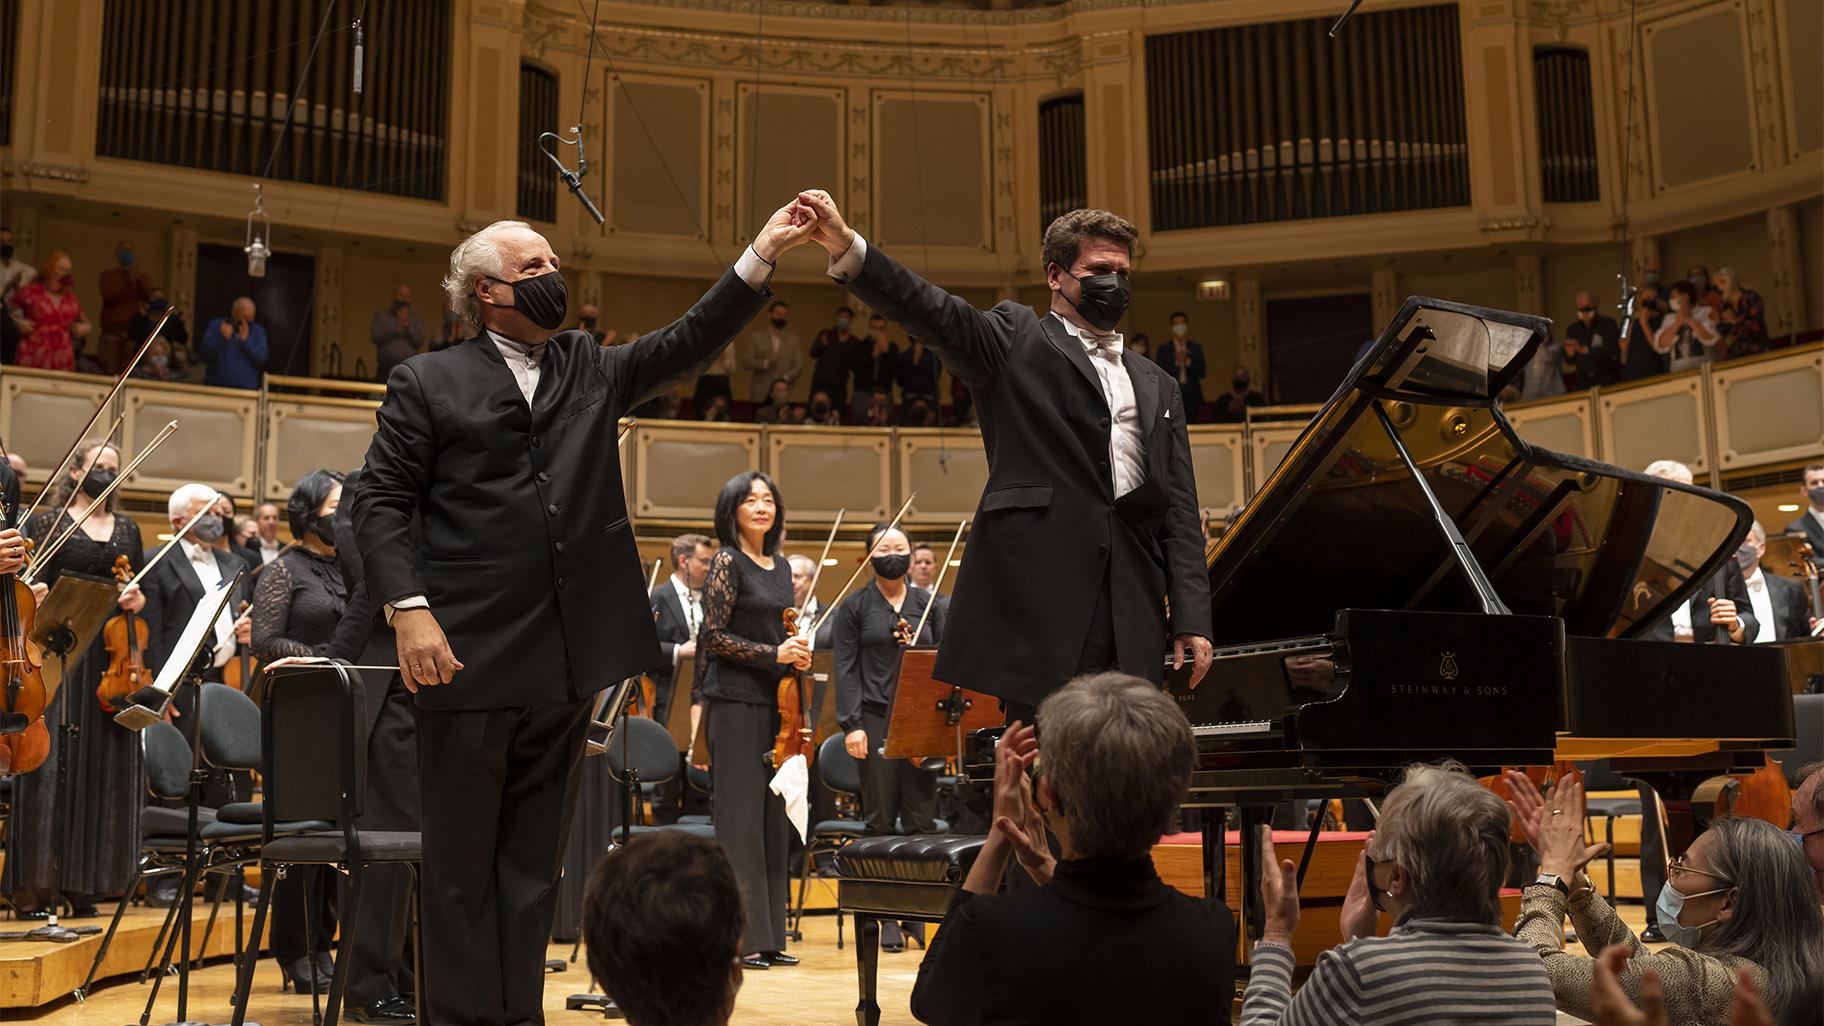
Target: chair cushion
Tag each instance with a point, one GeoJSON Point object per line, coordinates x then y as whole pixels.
{"type": "Point", "coordinates": [162, 822]}
{"type": "Point", "coordinates": [840, 828]}
{"type": "Point", "coordinates": [703, 830]}
{"type": "Point", "coordinates": [224, 831]}
{"type": "Point", "coordinates": [1614, 807]}
{"type": "Point", "coordinates": [328, 846]}
{"type": "Point", "coordinates": [242, 812]}
{"type": "Point", "coordinates": [694, 820]}
{"type": "Point", "coordinates": [919, 858]}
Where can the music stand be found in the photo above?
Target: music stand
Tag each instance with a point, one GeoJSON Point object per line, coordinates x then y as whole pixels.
{"type": "Point", "coordinates": [677, 718]}
{"type": "Point", "coordinates": [929, 717]}
{"type": "Point", "coordinates": [72, 614]}
{"type": "Point", "coordinates": [190, 656]}
{"type": "Point", "coordinates": [823, 696]}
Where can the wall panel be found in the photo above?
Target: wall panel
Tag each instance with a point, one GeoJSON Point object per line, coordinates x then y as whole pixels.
{"type": "Point", "coordinates": [791, 139]}
{"type": "Point", "coordinates": [1700, 116]}
{"type": "Point", "coordinates": [659, 175]}
{"type": "Point", "coordinates": [931, 173]}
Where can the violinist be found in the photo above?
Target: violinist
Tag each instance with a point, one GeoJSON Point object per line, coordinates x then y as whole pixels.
{"type": "Point", "coordinates": [743, 649]}
{"type": "Point", "coordinates": [107, 792]}
{"type": "Point", "coordinates": [181, 580]}
{"type": "Point", "coordinates": [810, 607]}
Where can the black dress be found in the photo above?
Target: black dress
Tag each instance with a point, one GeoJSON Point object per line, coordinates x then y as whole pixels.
{"type": "Point", "coordinates": [297, 602]}
{"type": "Point", "coordinates": [105, 781]}
{"type": "Point", "coordinates": [894, 792]}
{"type": "Point", "coordinates": [738, 677]}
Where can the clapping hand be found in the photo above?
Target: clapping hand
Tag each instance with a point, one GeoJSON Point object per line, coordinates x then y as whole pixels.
{"type": "Point", "coordinates": [1610, 1003]}
{"type": "Point", "coordinates": [1278, 893]}
{"type": "Point", "coordinates": [1015, 817]}
{"type": "Point", "coordinates": [1560, 838]}
{"type": "Point", "coordinates": [1359, 917]}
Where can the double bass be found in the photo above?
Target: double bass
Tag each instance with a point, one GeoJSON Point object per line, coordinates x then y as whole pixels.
{"type": "Point", "coordinates": [125, 635]}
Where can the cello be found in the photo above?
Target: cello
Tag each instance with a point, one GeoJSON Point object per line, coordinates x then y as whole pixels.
{"type": "Point", "coordinates": [125, 635]}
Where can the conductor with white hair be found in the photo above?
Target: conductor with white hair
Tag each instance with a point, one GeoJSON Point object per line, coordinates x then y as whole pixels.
{"type": "Point", "coordinates": [194, 569]}
{"type": "Point", "coordinates": [525, 595]}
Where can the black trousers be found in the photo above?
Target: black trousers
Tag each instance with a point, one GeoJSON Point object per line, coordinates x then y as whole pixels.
{"type": "Point", "coordinates": [497, 787]}
{"type": "Point", "coordinates": [894, 789]}
{"type": "Point", "coordinates": [294, 930]}
{"type": "Point", "coordinates": [750, 819]}
{"type": "Point", "coordinates": [1098, 654]}
{"type": "Point", "coordinates": [376, 957]}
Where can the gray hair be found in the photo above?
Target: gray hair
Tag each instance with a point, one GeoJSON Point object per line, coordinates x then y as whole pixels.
{"type": "Point", "coordinates": [1450, 833]}
{"type": "Point", "coordinates": [1117, 750]}
{"type": "Point", "coordinates": [1671, 470]}
{"type": "Point", "coordinates": [798, 559]}
{"type": "Point", "coordinates": [1777, 923]}
{"type": "Point", "coordinates": [1757, 532]}
{"type": "Point", "coordinates": [185, 497]}
{"type": "Point", "coordinates": [473, 259]}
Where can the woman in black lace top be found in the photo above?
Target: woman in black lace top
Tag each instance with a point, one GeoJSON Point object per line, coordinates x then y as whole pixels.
{"type": "Point", "coordinates": [742, 650]}
{"type": "Point", "coordinates": [106, 786]}
{"type": "Point", "coordinates": [297, 601]}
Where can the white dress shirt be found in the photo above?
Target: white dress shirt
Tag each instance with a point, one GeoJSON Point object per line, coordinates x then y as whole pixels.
{"type": "Point", "coordinates": [269, 550]}
{"type": "Point", "coordinates": [1818, 515]}
{"type": "Point", "coordinates": [1126, 442]}
{"type": "Point", "coordinates": [202, 562]}
{"type": "Point", "coordinates": [1681, 623]}
{"type": "Point", "coordinates": [524, 361]}
{"type": "Point", "coordinates": [1762, 602]}
{"type": "Point", "coordinates": [692, 602]}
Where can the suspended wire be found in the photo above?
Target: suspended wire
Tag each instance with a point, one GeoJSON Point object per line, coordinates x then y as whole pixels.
{"type": "Point", "coordinates": [1627, 143]}
{"type": "Point", "coordinates": [291, 102]}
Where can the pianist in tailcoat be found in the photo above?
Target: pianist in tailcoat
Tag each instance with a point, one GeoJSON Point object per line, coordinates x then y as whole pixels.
{"type": "Point", "coordinates": [1088, 524]}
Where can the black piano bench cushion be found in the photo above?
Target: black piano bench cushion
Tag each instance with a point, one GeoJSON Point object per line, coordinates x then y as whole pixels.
{"type": "Point", "coordinates": [326, 847]}
{"type": "Point", "coordinates": [919, 858]}
{"type": "Point", "coordinates": [163, 821]}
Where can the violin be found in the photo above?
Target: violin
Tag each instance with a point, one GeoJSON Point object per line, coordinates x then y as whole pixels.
{"type": "Point", "coordinates": [125, 636]}
{"type": "Point", "coordinates": [26, 744]}
{"type": "Point", "coordinates": [239, 671]}
{"type": "Point", "coordinates": [1806, 562]}
{"type": "Point", "coordinates": [794, 701]}
{"type": "Point", "coordinates": [902, 632]}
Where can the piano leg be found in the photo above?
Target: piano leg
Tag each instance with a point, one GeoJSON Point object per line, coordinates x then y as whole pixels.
{"type": "Point", "coordinates": [1254, 820]}
{"type": "Point", "coordinates": [867, 965]}
{"type": "Point", "coordinates": [1215, 852]}
{"type": "Point", "coordinates": [1304, 861]}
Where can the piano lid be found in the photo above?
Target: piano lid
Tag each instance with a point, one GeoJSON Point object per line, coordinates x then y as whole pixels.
{"type": "Point", "coordinates": [1342, 524]}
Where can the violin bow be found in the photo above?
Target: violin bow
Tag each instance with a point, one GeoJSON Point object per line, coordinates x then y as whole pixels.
{"type": "Point", "coordinates": [119, 383]}
{"type": "Point", "coordinates": [101, 500]}
{"type": "Point", "coordinates": [939, 580]}
{"type": "Point", "coordinates": [850, 583]}
{"type": "Point", "coordinates": [811, 592]}
{"type": "Point", "coordinates": [207, 510]}
{"type": "Point", "coordinates": [107, 440]}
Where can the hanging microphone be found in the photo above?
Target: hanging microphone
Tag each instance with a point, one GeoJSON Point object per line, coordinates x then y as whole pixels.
{"type": "Point", "coordinates": [360, 48]}
{"type": "Point", "coordinates": [572, 179]}
{"type": "Point", "coordinates": [1353, 4]}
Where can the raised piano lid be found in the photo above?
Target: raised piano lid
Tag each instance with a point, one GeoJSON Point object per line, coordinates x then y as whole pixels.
{"type": "Point", "coordinates": [1340, 525]}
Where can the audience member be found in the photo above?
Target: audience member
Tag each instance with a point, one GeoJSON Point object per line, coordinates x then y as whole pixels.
{"type": "Point", "coordinates": [14, 272]}
{"type": "Point", "coordinates": [1614, 1009]}
{"type": "Point", "coordinates": [831, 357]}
{"type": "Point", "coordinates": [919, 412]}
{"type": "Point", "coordinates": [1592, 346]}
{"type": "Point", "coordinates": [715, 411]}
{"type": "Point", "coordinates": [233, 348]}
{"type": "Point", "coordinates": [880, 407]}
{"type": "Point", "coordinates": [49, 316]}
{"type": "Point", "coordinates": [264, 546]}
{"type": "Point", "coordinates": [1808, 819]}
{"type": "Point", "coordinates": [1741, 316]}
{"type": "Point", "coordinates": [452, 331]}
{"type": "Point", "coordinates": [124, 291]}
{"type": "Point", "coordinates": [662, 922]}
{"type": "Point", "coordinates": [1705, 290]}
{"type": "Point", "coordinates": [1811, 522]}
{"type": "Point", "coordinates": [1639, 359]}
{"type": "Point", "coordinates": [778, 407]}
{"type": "Point", "coordinates": [1232, 406]}
{"type": "Point", "coordinates": [1741, 898]}
{"type": "Point", "coordinates": [1547, 371]}
{"type": "Point", "coordinates": [1183, 360]}
{"type": "Point", "coordinates": [876, 365]}
{"type": "Point", "coordinates": [1435, 864]}
{"type": "Point", "coordinates": [715, 381]}
{"type": "Point", "coordinates": [1101, 938]}
{"type": "Point", "coordinates": [1141, 345]}
{"type": "Point", "coordinates": [157, 363]}
{"type": "Point", "coordinates": [398, 333]}
{"type": "Point", "coordinates": [772, 351]}
{"type": "Point", "coordinates": [822, 410]}
{"type": "Point", "coordinates": [586, 317]}
{"type": "Point", "coordinates": [919, 371]}
{"type": "Point", "coordinates": [1781, 609]}
{"type": "Point", "coordinates": [1687, 336]}
{"type": "Point", "coordinates": [670, 407]}
{"type": "Point", "coordinates": [175, 334]}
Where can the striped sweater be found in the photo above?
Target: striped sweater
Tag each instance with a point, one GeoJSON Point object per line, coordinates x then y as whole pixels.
{"type": "Point", "coordinates": [1426, 971]}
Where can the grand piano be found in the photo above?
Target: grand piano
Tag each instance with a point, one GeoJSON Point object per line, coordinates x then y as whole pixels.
{"type": "Point", "coordinates": [1415, 582]}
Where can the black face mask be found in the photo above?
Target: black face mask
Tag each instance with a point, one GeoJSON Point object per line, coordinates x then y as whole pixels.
{"type": "Point", "coordinates": [820, 407]}
{"type": "Point", "coordinates": [778, 324]}
{"type": "Point", "coordinates": [587, 323]}
{"type": "Point", "coordinates": [227, 524]}
{"type": "Point", "coordinates": [6, 252]}
{"type": "Point", "coordinates": [544, 299]}
{"type": "Point", "coordinates": [97, 482]}
{"type": "Point", "coordinates": [1816, 495]}
{"type": "Point", "coordinates": [891, 568]}
{"type": "Point", "coordinates": [1374, 895]}
{"type": "Point", "coordinates": [324, 527]}
{"type": "Point", "coordinates": [1102, 299]}
{"type": "Point", "coordinates": [1241, 384]}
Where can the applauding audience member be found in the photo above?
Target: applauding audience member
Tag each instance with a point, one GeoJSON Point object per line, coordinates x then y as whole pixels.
{"type": "Point", "coordinates": [1740, 898]}
{"type": "Point", "coordinates": [1741, 316]}
{"type": "Point", "coordinates": [49, 316]}
{"type": "Point", "coordinates": [1110, 940]}
{"type": "Point", "coordinates": [234, 348]}
{"type": "Point", "coordinates": [1808, 819]}
{"type": "Point", "coordinates": [1436, 866]}
{"type": "Point", "coordinates": [1614, 1009]}
{"type": "Point", "coordinates": [662, 921]}
{"type": "Point", "coordinates": [1687, 336]}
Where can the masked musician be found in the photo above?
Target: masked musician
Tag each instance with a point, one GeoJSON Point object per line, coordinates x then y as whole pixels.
{"type": "Point", "coordinates": [1088, 523]}
{"type": "Point", "coordinates": [527, 594]}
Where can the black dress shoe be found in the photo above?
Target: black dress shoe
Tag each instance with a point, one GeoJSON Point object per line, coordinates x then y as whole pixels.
{"type": "Point", "coordinates": [1652, 935]}
{"type": "Point", "coordinates": [755, 962]}
{"type": "Point", "coordinates": [297, 974]}
{"type": "Point", "coordinates": [892, 939]}
{"type": "Point", "coordinates": [31, 913]}
{"type": "Point", "coordinates": [779, 958]}
{"type": "Point", "coordinates": [326, 966]}
{"type": "Point", "coordinates": [392, 1011]}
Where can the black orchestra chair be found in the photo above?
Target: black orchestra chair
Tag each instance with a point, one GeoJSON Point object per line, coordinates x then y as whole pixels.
{"type": "Point", "coordinates": [305, 706]}
{"type": "Point", "coordinates": [1597, 776]}
{"type": "Point", "coordinates": [841, 773]}
{"type": "Point", "coordinates": [905, 879]}
{"type": "Point", "coordinates": [642, 753]}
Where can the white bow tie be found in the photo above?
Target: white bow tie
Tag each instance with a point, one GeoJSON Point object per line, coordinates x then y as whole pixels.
{"type": "Point", "coordinates": [1758, 584]}
{"type": "Point", "coordinates": [1108, 346]}
{"type": "Point", "coordinates": [202, 555]}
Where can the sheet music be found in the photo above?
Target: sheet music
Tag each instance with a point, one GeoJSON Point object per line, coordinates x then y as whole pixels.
{"type": "Point", "coordinates": [200, 628]}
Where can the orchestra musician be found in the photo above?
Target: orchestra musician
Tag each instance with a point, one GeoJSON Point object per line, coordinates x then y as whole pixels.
{"type": "Point", "coordinates": [677, 611]}
{"type": "Point", "coordinates": [526, 596]}
{"type": "Point", "coordinates": [743, 651]}
{"type": "Point", "coordinates": [924, 575]}
{"type": "Point", "coordinates": [181, 580]}
{"type": "Point", "coordinates": [1779, 606]}
{"type": "Point", "coordinates": [107, 786]}
{"type": "Point", "coordinates": [1088, 524]}
{"type": "Point", "coordinates": [810, 607]}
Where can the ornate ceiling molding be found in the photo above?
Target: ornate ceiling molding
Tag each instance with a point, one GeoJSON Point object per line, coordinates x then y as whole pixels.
{"type": "Point", "coordinates": [899, 14]}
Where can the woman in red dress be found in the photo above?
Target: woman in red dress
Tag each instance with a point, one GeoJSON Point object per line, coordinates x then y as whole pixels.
{"type": "Point", "coordinates": [49, 317]}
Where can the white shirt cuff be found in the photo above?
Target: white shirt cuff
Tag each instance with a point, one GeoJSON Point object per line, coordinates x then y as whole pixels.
{"type": "Point", "coordinates": [408, 602]}
{"type": "Point", "coordinates": [845, 267]}
{"type": "Point", "coordinates": [753, 270]}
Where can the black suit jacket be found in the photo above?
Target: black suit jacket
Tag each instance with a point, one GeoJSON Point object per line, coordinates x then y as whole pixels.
{"type": "Point", "coordinates": [1113, 942]}
{"type": "Point", "coordinates": [673, 626]}
{"type": "Point", "coordinates": [172, 592]}
{"type": "Point", "coordinates": [1049, 532]}
{"type": "Point", "coordinates": [1791, 607]}
{"type": "Point", "coordinates": [362, 635]}
{"type": "Point", "coordinates": [1727, 584]}
{"type": "Point", "coordinates": [1808, 526]}
{"type": "Point", "coordinates": [528, 558]}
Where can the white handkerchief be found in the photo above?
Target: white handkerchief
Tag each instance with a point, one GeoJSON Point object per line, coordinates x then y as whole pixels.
{"type": "Point", "coordinates": [793, 783]}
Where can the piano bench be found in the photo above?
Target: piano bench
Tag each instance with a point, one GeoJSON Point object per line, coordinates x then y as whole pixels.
{"type": "Point", "coordinates": [896, 878]}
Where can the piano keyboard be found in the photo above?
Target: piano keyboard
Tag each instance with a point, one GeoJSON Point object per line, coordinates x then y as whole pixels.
{"type": "Point", "coordinates": [1231, 729]}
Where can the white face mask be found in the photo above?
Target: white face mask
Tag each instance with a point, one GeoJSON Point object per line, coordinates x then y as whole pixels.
{"type": "Point", "coordinates": [1180, 330]}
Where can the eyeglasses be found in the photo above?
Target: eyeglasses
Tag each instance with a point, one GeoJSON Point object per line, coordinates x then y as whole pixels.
{"type": "Point", "coordinates": [1678, 867]}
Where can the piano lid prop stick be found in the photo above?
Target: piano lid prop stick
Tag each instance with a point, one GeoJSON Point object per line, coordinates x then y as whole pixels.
{"type": "Point", "coordinates": [119, 383]}
{"type": "Point", "coordinates": [850, 583]}
{"type": "Point", "coordinates": [100, 501]}
{"type": "Point", "coordinates": [817, 573]}
{"type": "Point", "coordinates": [938, 582]}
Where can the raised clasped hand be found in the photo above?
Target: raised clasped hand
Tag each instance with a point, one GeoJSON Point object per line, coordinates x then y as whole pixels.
{"type": "Point", "coordinates": [789, 227]}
